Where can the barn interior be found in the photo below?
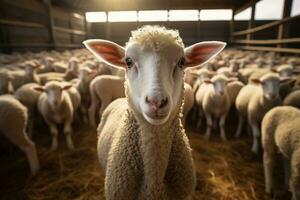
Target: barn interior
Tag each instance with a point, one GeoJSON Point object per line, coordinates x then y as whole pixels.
{"type": "Point", "coordinates": [262, 37]}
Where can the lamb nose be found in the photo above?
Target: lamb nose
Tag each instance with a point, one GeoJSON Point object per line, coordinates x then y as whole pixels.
{"type": "Point", "coordinates": [157, 104]}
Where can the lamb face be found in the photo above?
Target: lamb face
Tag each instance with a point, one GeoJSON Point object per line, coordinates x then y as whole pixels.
{"type": "Point", "coordinates": [54, 91]}
{"type": "Point", "coordinates": [219, 83]}
{"type": "Point", "coordinates": [154, 59]}
{"type": "Point", "coordinates": [270, 84]}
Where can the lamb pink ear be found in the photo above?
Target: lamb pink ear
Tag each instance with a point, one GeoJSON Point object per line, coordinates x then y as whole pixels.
{"type": "Point", "coordinates": [202, 52]}
{"type": "Point", "coordinates": [39, 89]}
{"type": "Point", "coordinates": [107, 51]}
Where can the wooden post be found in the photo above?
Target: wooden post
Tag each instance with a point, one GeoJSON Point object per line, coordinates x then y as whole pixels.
{"type": "Point", "coordinates": [4, 34]}
{"type": "Point", "coordinates": [50, 23]}
{"type": "Point", "coordinates": [232, 27]}
{"type": "Point", "coordinates": [283, 30]}
{"type": "Point", "coordinates": [71, 27]}
{"type": "Point", "coordinates": [86, 26]}
{"type": "Point", "coordinates": [252, 20]}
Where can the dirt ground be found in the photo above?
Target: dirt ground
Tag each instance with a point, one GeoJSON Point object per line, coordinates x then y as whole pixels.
{"type": "Point", "coordinates": [225, 170]}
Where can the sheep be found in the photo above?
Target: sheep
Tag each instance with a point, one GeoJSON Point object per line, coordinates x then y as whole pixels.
{"type": "Point", "coordinates": [47, 63]}
{"type": "Point", "coordinates": [293, 99]}
{"type": "Point", "coordinates": [280, 133]}
{"type": "Point", "coordinates": [86, 75]}
{"type": "Point", "coordinates": [21, 77]}
{"type": "Point", "coordinates": [188, 103]}
{"type": "Point", "coordinates": [13, 124]}
{"type": "Point", "coordinates": [146, 154]}
{"type": "Point", "coordinates": [104, 89]}
{"type": "Point", "coordinates": [254, 100]}
{"type": "Point", "coordinates": [5, 83]}
{"type": "Point", "coordinates": [55, 105]}
{"type": "Point", "coordinates": [216, 102]}
{"type": "Point", "coordinates": [29, 98]}
{"type": "Point", "coordinates": [233, 89]}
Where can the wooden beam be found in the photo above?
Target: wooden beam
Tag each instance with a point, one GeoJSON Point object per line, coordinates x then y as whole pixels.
{"type": "Point", "coordinates": [273, 49]}
{"type": "Point", "coordinates": [70, 31]}
{"type": "Point", "coordinates": [251, 22]}
{"type": "Point", "coordinates": [232, 27]}
{"type": "Point", "coordinates": [283, 29]}
{"type": "Point", "coordinates": [245, 6]}
{"type": "Point", "coordinates": [41, 45]}
{"type": "Point", "coordinates": [51, 30]}
{"type": "Point", "coordinates": [267, 42]}
{"type": "Point", "coordinates": [21, 23]}
{"type": "Point", "coordinates": [266, 26]}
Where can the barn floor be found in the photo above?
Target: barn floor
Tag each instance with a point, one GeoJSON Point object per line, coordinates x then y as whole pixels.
{"type": "Point", "coordinates": [225, 170]}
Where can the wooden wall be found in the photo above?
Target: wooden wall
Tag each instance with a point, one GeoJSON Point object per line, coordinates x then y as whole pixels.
{"type": "Point", "coordinates": [25, 26]}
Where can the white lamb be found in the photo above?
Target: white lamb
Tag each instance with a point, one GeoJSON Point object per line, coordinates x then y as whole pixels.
{"type": "Point", "coordinates": [13, 124]}
{"type": "Point", "coordinates": [255, 100]}
{"type": "Point", "coordinates": [188, 103]}
{"type": "Point", "coordinates": [103, 90]}
{"type": "Point", "coordinates": [28, 75]}
{"type": "Point", "coordinates": [216, 102]}
{"type": "Point", "coordinates": [281, 133]}
{"type": "Point", "coordinates": [6, 86]}
{"type": "Point", "coordinates": [56, 107]}
{"type": "Point", "coordinates": [29, 98]}
{"type": "Point", "coordinates": [142, 145]}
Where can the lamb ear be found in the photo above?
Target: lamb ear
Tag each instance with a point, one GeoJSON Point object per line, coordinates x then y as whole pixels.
{"type": "Point", "coordinates": [232, 79]}
{"type": "Point", "coordinates": [202, 52]}
{"type": "Point", "coordinates": [66, 87]}
{"type": "Point", "coordinates": [287, 80]}
{"type": "Point", "coordinates": [255, 80]}
{"type": "Point", "coordinates": [207, 81]}
{"type": "Point", "coordinates": [39, 89]}
{"type": "Point", "coordinates": [107, 51]}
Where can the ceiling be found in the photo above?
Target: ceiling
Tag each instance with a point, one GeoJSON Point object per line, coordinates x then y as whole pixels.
{"type": "Point", "coordinates": [108, 5]}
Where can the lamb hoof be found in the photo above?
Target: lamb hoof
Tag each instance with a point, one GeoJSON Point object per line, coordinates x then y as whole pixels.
{"type": "Point", "coordinates": [254, 149]}
{"type": "Point", "coordinates": [54, 145]}
{"type": "Point", "coordinates": [70, 144]}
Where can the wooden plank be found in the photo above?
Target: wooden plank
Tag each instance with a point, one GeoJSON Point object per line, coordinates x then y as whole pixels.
{"type": "Point", "coordinates": [252, 20]}
{"type": "Point", "coordinates": [278, 41]}
{"type": "Point", "coordinates": [39, 45]}
{"type": "Point", "coordinates": [266, 26]}
{"type": "Point", "coordinates": [273, 49]}
{"type": "Point", "coordinates": [286, 13]}
{"type": "Point", "coordinates": [50, 21]}
{"type": "Point", "coordinates": [21, 23]}
{"type": "Point", "coordinates": [244, 6]}
{"type": "Point", "coordinates": [71, 31]}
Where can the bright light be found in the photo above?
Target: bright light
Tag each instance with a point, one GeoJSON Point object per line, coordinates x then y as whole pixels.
{"type": "Point", "coordinates": [244, 15]}
{"type": "Point", "coordinates": [95, 16]}
{"type": "Point", "coordinates": [215, 15]}
{"type": "Point", "coordinates": [183, 15]}
{"type": "Point", "coordinates": [122, 16]}
{"type": "Point", "coordinates": [153, 15]}
{"type": "Point", "coordinates": [269, 9]}
{"type": "Point", "coordinates": [295, 8]}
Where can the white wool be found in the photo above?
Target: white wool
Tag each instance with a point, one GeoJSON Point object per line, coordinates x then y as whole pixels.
{"type": "Point", "coordinates": [156, 37]}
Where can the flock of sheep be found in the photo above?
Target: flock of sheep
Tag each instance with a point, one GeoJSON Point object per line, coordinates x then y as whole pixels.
{"type": "Point", "coordinates": [75, 87]}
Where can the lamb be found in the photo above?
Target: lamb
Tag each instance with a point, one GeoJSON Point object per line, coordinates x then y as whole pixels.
{"type": "Point", "coordinates": [13, 124]}
{"type": "Point", "coordinates": [56, 107]}
{"type": "Point", "coordinates": [188, 103]}
{"type": "Point", "coordinates": [293, 99]}
{"type": "Point", "coordinates": [29, 98]}
{"type": "Point", "coordinates": [104, 89]}
{"type": "Point", "coordinates": [216, 103]}
{"type": "Point", "coordinates": [86, 75]}
{"type": "Point", "coordinates": [255, 100]}
{"type": "Point", "coordinates": [21, 77]}
{"type": "Point", "coordinates": [280, 133]}
{"type": "Point", "coordinates": [5, 83]}
{"type": "Point", "coordinates": [233, 89]}
{"type": "Point", "coordinates": [146, 155]}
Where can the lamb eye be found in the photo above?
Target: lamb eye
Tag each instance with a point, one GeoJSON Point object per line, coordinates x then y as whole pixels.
{"type": "Point", "coordinates": [129, 62]}
{"type": "Point", "coordinates": [181, 62]}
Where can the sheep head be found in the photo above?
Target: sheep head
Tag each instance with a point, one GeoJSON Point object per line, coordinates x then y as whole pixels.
{"type": "Point", "coordinates": [154, 60]}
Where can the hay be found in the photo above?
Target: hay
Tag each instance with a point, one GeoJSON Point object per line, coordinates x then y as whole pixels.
{"type": "Point", "coordinates": [225, 170]}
